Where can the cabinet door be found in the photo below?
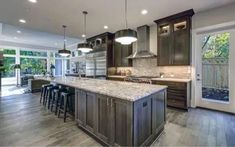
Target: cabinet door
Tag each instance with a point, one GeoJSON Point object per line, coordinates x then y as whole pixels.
{"type": "Point", "coordinates": [126, 50]}
{"type": "Point", "coordinates": [120, 54]}
{"type": "Point", "coordinates": [90, 111]}
{"type": "Point", "coordinates": [117, 54]}
{"type": "Point", "coordinates": [142, 121]}
{"type": "Point", "coordinates": [164, 45]}
{"type": "Point", "coordinates": [102, 117]}
{"type": "Point", "coordinates": [158, 111]}
{"type": "Point", "coordinates": [181, 42]}
{"type": "Point", "coordinates": [121, 122]}
{"type": "Point", "coordinates": [80, 106]}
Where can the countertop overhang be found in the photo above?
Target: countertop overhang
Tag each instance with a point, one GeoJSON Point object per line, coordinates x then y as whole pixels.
{"type": "Point", "coordinates": [123, 90]}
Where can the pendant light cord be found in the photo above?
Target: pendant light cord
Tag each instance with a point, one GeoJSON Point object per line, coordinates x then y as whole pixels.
{"type": "Point", "coordinates": [64, 37]}
{"type": "Point", "coordinates": [126, 13]}
{"type": "Point", "coordinates": [85, 13]}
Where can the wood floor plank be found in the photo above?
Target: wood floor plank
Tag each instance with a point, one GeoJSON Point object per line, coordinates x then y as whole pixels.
{"type": "Point", "coordinates": [25, 122]}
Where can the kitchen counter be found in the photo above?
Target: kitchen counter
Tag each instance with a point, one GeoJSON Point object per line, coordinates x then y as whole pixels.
{"type": "Point", "coordinates": [172, 79]}
{"type": "Point", "coordinates": [121, 78]}
{"type": "Point", "coordinates": [118, 113]}
{"type": "Point", "coordinates": [123, 90]}
{"type": "Point", "coordinates": [116, 76]}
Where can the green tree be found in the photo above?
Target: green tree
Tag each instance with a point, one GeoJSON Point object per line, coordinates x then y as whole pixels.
{"type": "Point", "coordinates": [217, 46]}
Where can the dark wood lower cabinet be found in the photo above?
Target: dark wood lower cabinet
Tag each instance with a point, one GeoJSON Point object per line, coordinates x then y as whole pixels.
{"type": "Point", "coordinates": [122, 128]}
{"type": "Point", "coordinates": [178, 93]}
{"type": "Point", "coordinates": [120, 122]}
{"type": "Point", "coordinates": [80, 107]}
{"type": "Point", "coordinates": [158, 106]}
{"type": "Point", "coordinates": [90, 111]}
{"type": "Point", "coordinates": [142, 121]}
{"type": "Point", "coordinates": [103, 117]}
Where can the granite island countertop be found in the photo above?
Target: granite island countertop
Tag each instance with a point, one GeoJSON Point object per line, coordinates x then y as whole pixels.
{"type": "Point", "coordinates": [123, 90]}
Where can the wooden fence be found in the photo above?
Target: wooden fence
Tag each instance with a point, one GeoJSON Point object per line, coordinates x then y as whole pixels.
{"type": "Point", "coordinates": [215, 73]}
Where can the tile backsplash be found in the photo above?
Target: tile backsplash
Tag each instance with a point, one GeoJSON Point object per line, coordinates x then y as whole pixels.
{"type": "Point", "coordinates": [148, 67]}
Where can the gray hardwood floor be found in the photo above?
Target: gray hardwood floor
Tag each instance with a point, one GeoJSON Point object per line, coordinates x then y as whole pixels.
{"type": "Point", "coordinates": [24, 122]}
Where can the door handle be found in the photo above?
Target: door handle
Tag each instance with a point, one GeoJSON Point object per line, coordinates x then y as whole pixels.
{"type": "Point", "coordinates": [198, 77]}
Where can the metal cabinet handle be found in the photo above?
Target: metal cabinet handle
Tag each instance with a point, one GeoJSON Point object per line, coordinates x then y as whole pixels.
{"type": "Point", "coordinates": [107, 101]}
{"type": "Point", "coordinates": [111, 102]}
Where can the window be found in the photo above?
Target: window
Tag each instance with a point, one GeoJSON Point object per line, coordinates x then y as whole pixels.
{"type": "Point", "coordinates": [9, 52]}
{"type": "Point", "coordinates": [215, 67]}
{"type": "Point", "coordinates": [33, 66]}
{"type": "Point", "coordinates": [58, 67]}
{"type": "Point", "coordinates": [9, 70]}
{"type": "Point", "coordinates": [33, 53]}
{"type": "Point", "coordinates": [9, 61]}
{"type": "Point", "coordinates": [67, 66]}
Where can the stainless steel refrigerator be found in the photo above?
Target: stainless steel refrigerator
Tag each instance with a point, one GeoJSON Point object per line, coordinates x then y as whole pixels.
{"type": "Point", "coordinates": [96, 64]}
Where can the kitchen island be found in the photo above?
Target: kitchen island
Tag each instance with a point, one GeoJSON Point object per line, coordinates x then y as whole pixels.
{"type": "Point", "coordinates": [118, 113]}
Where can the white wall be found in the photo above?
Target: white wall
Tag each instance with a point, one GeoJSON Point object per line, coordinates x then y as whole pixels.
{"type": "Point", "coordinates": [214, 16]}
{"type": "Point", "coordinates": [214, 20]}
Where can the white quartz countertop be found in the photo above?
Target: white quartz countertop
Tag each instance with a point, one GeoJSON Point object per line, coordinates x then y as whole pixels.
{"type": "Point", "coordinates": [123, 90]}
{"type": "Point", "coordinates": [172, 79]}
{"type": "Point", "coordinates": [117, 76]}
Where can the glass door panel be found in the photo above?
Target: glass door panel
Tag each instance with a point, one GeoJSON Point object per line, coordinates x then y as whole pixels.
{"type": "Point", "coordinates": [215, 67]}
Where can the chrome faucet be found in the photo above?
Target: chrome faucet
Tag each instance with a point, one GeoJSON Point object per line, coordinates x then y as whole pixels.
{"type": "Point", "coordinates": [161, 74]}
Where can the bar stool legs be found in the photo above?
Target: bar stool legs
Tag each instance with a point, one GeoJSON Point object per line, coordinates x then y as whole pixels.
{"type": "Point", "coordinates": [64, 104]}
{"type": "Point", "coordinates": [58, 97]}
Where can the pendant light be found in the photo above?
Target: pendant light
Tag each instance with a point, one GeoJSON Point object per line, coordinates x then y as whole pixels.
{"type": "Point", "coordinates": [64, 52]}
{"type": "Point", "coordinates": [85, 46]}
{"type": "Point", "coordinates": [126, 36]}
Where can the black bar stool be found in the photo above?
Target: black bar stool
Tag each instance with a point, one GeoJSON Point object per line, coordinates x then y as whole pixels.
{"type": "Point", "coordinates": [43, 92]}
{"type": "Point", "coordinates": [56, 98]}
{"type": "Point", "coordinates": [66, 104]}
{"type": "Point", "coordinates": [49, 95]}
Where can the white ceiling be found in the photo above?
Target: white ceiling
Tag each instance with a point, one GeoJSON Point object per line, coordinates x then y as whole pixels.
{"type": "Point", "coordinates": [39, 40]}
{"type": "Point", "coordinates": [50, 15]}
{"type": "Point", "coordinates": [45, 18]}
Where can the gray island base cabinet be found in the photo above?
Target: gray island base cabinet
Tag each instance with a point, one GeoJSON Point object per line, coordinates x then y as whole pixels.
{"type": "Point", "coordinates": [117, 113]}
{"type": "Point", "coordinates": [115, 121]}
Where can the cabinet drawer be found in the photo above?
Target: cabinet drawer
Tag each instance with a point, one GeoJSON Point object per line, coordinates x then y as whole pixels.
{"type": "Point", "coordinates": [176, 85]}
{"type": "Point", "coordinates": [176, 103]}
{"type": "Point", "coordinates": [178, 94]}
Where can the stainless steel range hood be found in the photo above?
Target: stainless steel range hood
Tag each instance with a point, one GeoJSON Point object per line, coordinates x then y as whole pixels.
{"type": "Point", "coordinates": [143, 44]}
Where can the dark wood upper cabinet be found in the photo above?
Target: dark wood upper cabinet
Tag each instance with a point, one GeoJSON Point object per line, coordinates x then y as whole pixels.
{"type": "Point", "coordinates": [116, 52]}
{"type": "Point", "coordinates": [121, 52]}
{"type": "Point", "coordinates": [174, 39]}
{"type": "Point", "coordinates": [104, 42]}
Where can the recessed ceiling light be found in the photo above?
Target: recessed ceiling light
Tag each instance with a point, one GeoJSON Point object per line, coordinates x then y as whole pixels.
{"type": "Point", "coordinates": [33, 1]}
{"type": "Point", "coordinates": [83, 35]}
{"type": "Point", "coordinates": [144, 12]}
{"type": "Point", "coordinates": [15, 37]}
{"type": "Point", "coordinates": [22, 21]}
{"type": "Point", "coordinates": [106, 27]}
{"type": "Point", "coordinates": [19, 32]}
{"type": "Point", "coordinates": [56, 44]}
